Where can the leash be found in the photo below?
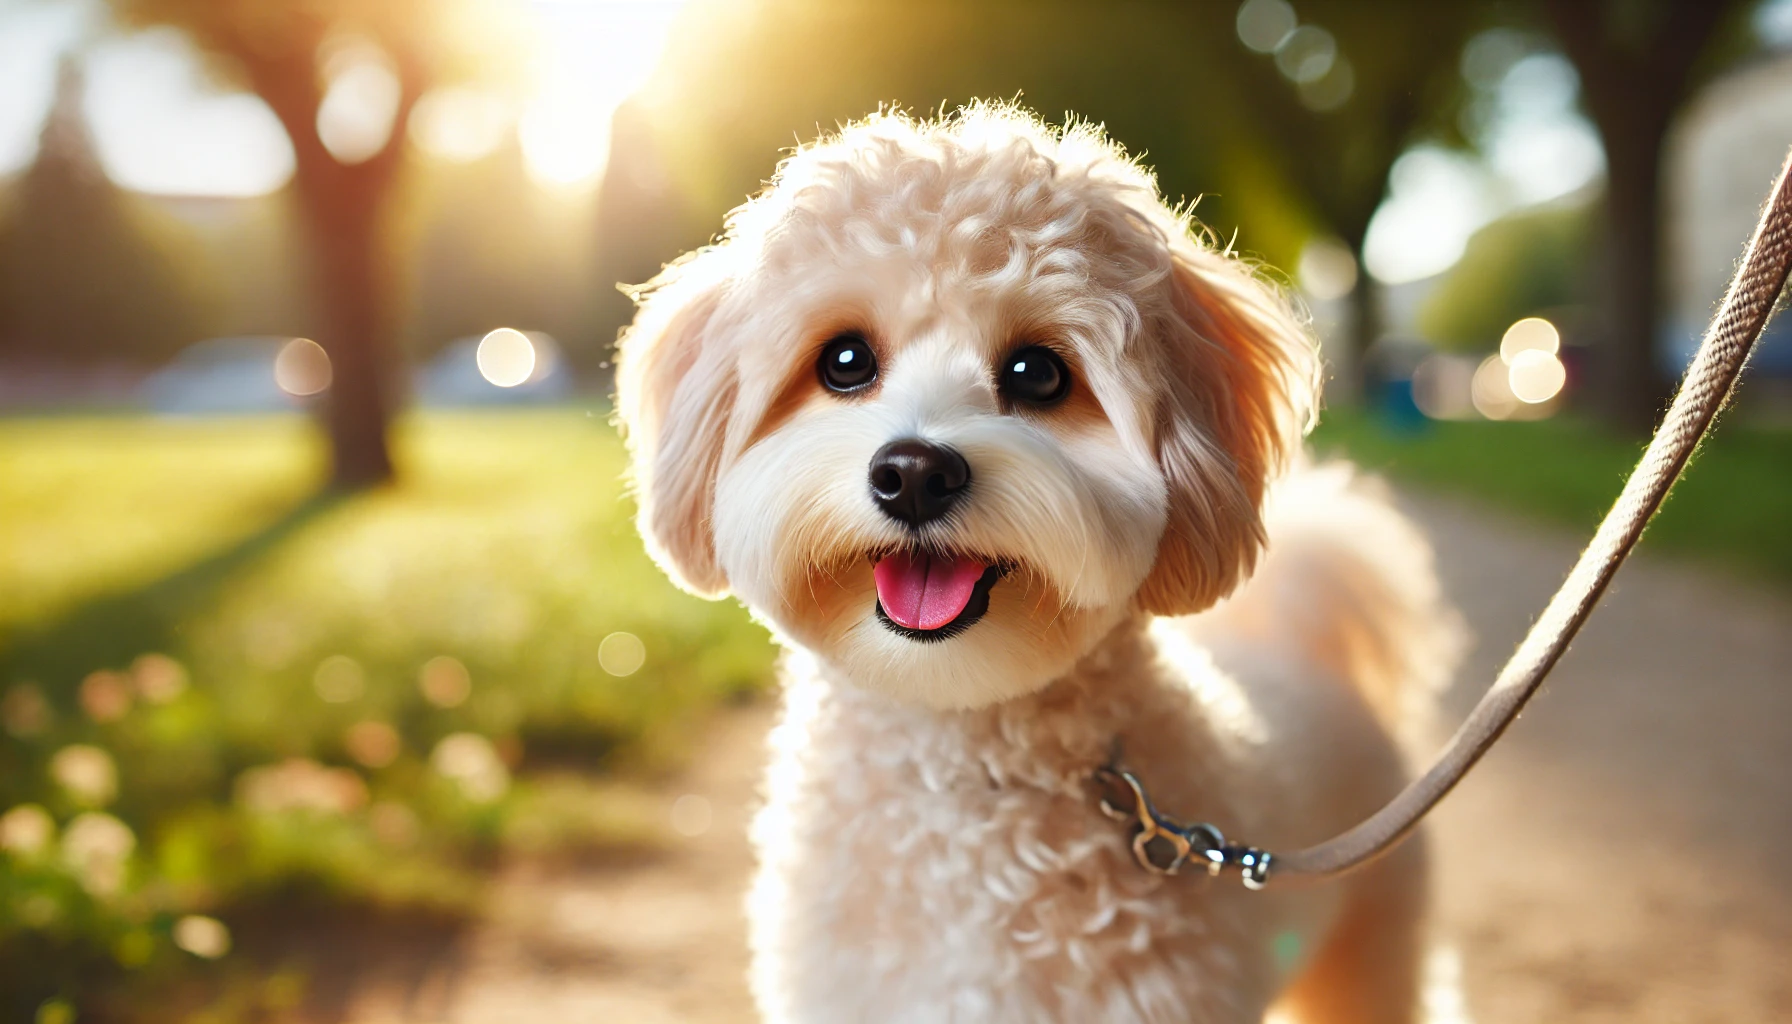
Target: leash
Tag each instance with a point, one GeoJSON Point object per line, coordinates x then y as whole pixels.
{"type": "Point", "coordinates": [1163, 846]}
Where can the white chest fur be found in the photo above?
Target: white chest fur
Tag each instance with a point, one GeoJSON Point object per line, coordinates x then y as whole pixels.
{"type": "Point", "coordinates": [925, 866]}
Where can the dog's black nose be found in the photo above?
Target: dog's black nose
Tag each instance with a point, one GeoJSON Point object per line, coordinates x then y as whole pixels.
{"type": "Point", "coordinates": [916, 481]}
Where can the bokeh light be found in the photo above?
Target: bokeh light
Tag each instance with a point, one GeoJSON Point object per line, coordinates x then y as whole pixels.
{"type": "Point", "coordinates": [373, 744]}
{"type": "Point", "coordinates": [158, 678]}
{"type": "Point", "coordinates": [300, 784]}
{"type": "Point", "coordinates": [1263, 24]}
{"type": "Point", "coordinates": [621, 654]}
{"type": "Point", "coordinates": [86, 773]}
{"type": "Point", "coordinates": [1331, 90]}
{"type": "Point", "coordinates": [459, 124]}
{"type": "Point", "coordinates": [1491, 390]}
{"type": "Point", "coordinates": [1536, 376]}
{"type": "Point", "coordinates": [1327, 269]}
{"type": "Point", "coordinates": [24, 711]}
{"type": "Point", "coordinates": [1533, 333]}
{"type": "Point", "coordinates": [302, 368]}
{"type": "Point", "coordinates": [445, 682]}
{"type": "Point", "coordinates": [360, 99]}
{"type": "Point", "coordinates": [27, 830]}
{"type": "Point", "coordinates": [471, 761]}
{"type": "Point", "coordinates": [204, 937]}
{"type": "Point", "coordinates": [506, 357]}
{"type": "Point", "coordinates": [339, 679]}
{"type": "Point", "coordinates": [1307, 54]}
{"type": "Point", "coordinates": [96, 846]}
{"type": "Point", "coordinates": [106, 696]}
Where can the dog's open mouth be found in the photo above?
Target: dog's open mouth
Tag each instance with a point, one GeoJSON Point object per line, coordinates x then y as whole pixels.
{"type": "Point", "coordinates": [928, 596]}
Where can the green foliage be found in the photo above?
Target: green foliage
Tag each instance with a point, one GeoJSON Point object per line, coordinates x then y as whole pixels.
{"type": "Point", "coordinates": [742, 83]}
{"type": "Point", "coordinates": [1525, 264]}
{"type": "Point", "coordinates": [88, 271]}
{"type": "Point", "coordinates": [361, 700]}
{"type": "Point", "coordinates": [1731, 509]}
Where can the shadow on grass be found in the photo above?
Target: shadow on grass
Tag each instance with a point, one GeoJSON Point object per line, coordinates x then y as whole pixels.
{"type": "Point", "coordinates": [110, 630]}
{"type": "Point", "coordinates": [408, 961]}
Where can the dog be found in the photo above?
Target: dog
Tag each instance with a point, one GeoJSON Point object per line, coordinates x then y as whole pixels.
{"type": "Point", "coordinates": [991, 438]}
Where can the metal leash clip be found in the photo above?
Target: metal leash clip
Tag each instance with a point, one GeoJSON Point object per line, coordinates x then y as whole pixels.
{"type": "Point", "coordinates": [1162, 846]}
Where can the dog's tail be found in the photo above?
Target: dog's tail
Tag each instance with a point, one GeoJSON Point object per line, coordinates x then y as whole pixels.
{"type": "Point", "coordinates": [1347, 583]}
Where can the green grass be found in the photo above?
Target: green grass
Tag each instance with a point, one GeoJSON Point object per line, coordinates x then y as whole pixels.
{"type": "Point", "coordinates": [1733, 508]}
{"type": "Point", "coordinates": [507, 547]}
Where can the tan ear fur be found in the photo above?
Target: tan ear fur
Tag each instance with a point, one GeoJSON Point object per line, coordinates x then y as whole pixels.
{"type": "Point", "coordinates": [675, 390]}
{"type": "Point", "coordinates": [1241, 376]}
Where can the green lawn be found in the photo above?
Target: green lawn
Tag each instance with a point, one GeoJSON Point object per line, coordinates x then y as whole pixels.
{"type": "Point", "coordinates": [1733, 508]}
{"type": "Point", "coordinates": [360, 700]}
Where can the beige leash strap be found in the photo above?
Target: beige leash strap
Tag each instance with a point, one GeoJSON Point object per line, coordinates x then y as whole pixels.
{"type": "Point", "coordinates": [1163, 846]}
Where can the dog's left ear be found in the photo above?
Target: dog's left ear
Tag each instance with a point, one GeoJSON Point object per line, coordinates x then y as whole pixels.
{"type": "Point", "coordinates": [675, 391]}
{"type": "Point", "coordinates": [1241, 383]}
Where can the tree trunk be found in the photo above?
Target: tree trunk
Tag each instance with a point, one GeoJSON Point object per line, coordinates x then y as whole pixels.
{"type": "Point", "coordinates": [1627, 387]}
{"type": "Point", "coordinates": [1635, 65]}
{"type": "Point", "coordinates": [345, 209]}
{"type": "Point", "coordinates": [1354, 381]}
{"type": "Point", "coordinates": [355, 285]}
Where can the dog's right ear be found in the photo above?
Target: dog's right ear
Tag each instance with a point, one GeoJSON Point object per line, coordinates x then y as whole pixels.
{"type": "Point", "coordinates": [675, 389]}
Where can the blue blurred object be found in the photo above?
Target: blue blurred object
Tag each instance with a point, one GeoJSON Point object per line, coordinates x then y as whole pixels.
{"type": "Point", "coordinates": [1399, 409]}
{"type": "Point", "coordinates": [235, 376]}
{"type": "Point", "coordinates": [220, 376]}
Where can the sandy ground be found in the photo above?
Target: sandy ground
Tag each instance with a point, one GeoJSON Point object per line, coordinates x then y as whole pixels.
{"type": "Point", "coordinates": [1619, 858]}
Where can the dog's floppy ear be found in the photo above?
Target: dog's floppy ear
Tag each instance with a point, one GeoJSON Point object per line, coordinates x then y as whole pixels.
{"type": "Point", "coordinates": [675, 390]}
{"type": "Point", "coordinates": [1241, 378]}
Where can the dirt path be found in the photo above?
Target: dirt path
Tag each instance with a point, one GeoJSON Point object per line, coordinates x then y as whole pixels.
{"type": "Point", "coordinates": [1620, 858]}
{"type": "Point", "coordinates": [659, 940]}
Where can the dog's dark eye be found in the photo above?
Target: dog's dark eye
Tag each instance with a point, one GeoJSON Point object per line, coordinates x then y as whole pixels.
{"type": "Point", "coordinates": [1035, 375]}
{"type": "Point", "coordinates": [847, 364]}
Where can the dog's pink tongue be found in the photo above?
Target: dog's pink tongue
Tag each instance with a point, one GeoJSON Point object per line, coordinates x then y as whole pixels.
{"type": "Point", "coordinates": [923, 591]}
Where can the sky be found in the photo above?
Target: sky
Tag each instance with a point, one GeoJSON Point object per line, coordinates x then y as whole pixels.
{"type": "Point", "coordinates": [161, 125]}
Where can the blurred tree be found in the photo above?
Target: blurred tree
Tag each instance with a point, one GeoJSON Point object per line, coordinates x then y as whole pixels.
{"type": "Point", "coordinates": [1638, 61]}
{"type": "Point", "coordinates": [1520, 265]}
{"type": "Point", "coordinates": [642, 221]}
{"type": "Point", "coordinates": [1271, 158]}
{"type": "Point", "coordinates": [87, 272]}
{"type": "Point", "coordinates": [743, 82]}
{"type": "Point", "coordinates": [1334, 125]}
{"type": "Point", "coordinates": [283, 51]}
{"type": "Point", "coordinates": [494, 250]}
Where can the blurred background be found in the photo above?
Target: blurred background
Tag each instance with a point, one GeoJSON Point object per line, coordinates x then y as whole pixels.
{"type": "Point", "coordinates": [335, 685]}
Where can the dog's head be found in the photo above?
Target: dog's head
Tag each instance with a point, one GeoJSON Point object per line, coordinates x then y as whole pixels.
{"type": "Point", "coordinates": [950, 399]}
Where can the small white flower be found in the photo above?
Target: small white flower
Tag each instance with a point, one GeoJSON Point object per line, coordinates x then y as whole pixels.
{"type": "Point", "coordinates": [96, 847]}
{"type": "Point", "coordinates": [26, 830]}
{"type": "Point", "coordinates": [202, 936]}
{"type": "Point", "coordinates": [87, 774]}
{"type": "Point", "coordinates": [300, 784]}
{"type": "Point", "coordinates": [471, 760]}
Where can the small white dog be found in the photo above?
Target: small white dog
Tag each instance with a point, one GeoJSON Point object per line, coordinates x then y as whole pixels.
{"type": "Point", "coordinates": [967, 415]}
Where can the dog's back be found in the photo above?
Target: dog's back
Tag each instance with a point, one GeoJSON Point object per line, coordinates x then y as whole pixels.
{"type": "Point", "coordinates": [1347, 581]}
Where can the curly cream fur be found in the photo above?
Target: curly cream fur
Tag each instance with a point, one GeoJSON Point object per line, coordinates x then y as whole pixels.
{"type": "Point", "coordinates": [929, 849]}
